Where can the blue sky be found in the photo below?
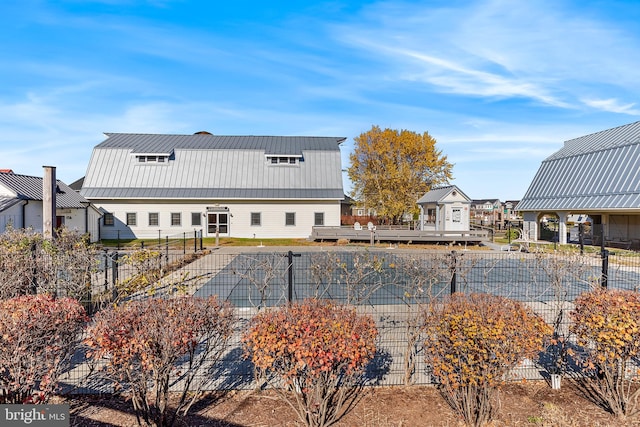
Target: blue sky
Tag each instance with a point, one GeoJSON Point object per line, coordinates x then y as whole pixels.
{"type": "Point", "coordinates": [500, 84]}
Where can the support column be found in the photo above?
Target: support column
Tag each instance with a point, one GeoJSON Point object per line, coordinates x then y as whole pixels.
{"type": "Point", "coordinates": [562, 227]}
{"type": "Point", "coordinates": [49, 186]}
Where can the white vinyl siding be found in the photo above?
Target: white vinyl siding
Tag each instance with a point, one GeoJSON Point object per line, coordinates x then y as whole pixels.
{"type": "Point", "coordinates": [272, 218]}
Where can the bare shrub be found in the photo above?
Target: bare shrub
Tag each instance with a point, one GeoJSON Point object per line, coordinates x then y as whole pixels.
{"type": "Point", "coordinates": [38, 337]}
{"type": "Point", "coordinates": [31, 264]}
{"type": "Point", "coordinates": [146, 343]}
{"type": "Point", "coordinates": [472, 342]}
{"type": "Point", "coordinates": [314, 353]}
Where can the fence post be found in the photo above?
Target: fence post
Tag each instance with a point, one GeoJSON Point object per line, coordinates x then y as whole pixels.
{"type": "Point", "coordinates": [166, 252]}
{"type": "Point", "coordinates": [34, 270]}
{"type": "Point", "coordinates": [114, 269]}
{"type": "Point", "coordinates": [581, 237]}
{"type": "Point", "coordinates": [159, 240]}
{"type": "Point", "coordinates": [201, 239]}
{"type": "Point", "coordinates": [184, 243]}
{"type": "Point", "coordinates": [453, 273]}
{"type": "Point", "coordinates": [605, 269]}
{"type": "Point", "coordinates": [106, 270]}
{"type": "Point", "coordinates": [290, 256]}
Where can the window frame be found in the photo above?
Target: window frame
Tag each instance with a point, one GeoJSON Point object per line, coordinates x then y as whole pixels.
{"type": "Point", "coordinates": [255, 219]}
{"type": "Point", "coordinates": [157, 219]}
{"type": "Point", "coordinates": [174, 216]}
{"type": "Point", "coordinates": [132, 219]}
{"type": "Point", "coordinates": [108, 219]}
{"type": "Point", "coordinates": [289, 219]}
{"type": "Point", "coordinates": [316, 216]}
{"type": "Point", "coordinates": [197, 223]}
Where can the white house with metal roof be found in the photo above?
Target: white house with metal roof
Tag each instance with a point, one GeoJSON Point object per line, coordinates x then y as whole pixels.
{"type": "Point", "coordinates": [597, 175]}
{"type": "Point", "coordinates": [21, 205]}
{"type": "Point", "coordinates": [445, 209]}
{"type": "Point", "coordinates": [238, 186]}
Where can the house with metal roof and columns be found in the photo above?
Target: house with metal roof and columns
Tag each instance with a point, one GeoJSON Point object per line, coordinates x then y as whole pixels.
{"type": "Point", "coordinates": [150, 185]}
{"type": "Point", "coordinates": [596, 175]}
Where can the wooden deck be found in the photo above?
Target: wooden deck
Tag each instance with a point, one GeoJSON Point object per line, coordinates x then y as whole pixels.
{"type": "Point", "coordinates": [384, 235]}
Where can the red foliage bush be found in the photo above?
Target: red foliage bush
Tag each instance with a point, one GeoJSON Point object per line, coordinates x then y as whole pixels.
{"type": "Point", "coordinates": [145, 342]}
{"type": "Point", "coordinates": [38, 337]}
{"type": "Point", "coordinates": [317, 351]}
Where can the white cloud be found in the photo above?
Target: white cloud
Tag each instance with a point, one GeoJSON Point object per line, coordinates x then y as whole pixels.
{"type": "Point", "coordinates": [612, 105]}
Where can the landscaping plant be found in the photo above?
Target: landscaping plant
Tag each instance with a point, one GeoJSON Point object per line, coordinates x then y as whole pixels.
{"type": "Point", "coordinates": [314, 353]}
{"type": "Point", "coordinates": [38, 337]}
{"type": "Point", "coordinates": [472, 343]}
{"type": "Point", "coordinates": [607, 325]}
{"type": "Point", "coordinates": [147, 344]}
{"type": "Point", "coordinates": [30, 264]}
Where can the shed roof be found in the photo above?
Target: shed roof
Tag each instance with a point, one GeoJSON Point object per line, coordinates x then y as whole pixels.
{"type": "Point", "coordinates": [440, 193]}
{"type": "Point", "coordinates": [597, 171]}
{"type": "Point", "coordinates": [30, 188]}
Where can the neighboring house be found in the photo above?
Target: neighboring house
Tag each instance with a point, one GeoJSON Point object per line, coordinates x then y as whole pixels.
{"type": "Point", "coordinates": [510, 210]}
{"type": "Point", "coordinates": [236, 186]}
{"type": "Point", "coordinates": [444, 209]}
{"type": "Point", "coordinates": [595, 175]}
{"type": "Point", "coordinates": [488, 212]}
{"type": "Point", "coordinates": [21, 205]}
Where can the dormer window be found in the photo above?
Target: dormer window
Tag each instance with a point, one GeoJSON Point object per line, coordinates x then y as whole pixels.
{"type": "Point", "coordinates": [284, 160]}
{"type": "Point", "coordinates": [151, 159]}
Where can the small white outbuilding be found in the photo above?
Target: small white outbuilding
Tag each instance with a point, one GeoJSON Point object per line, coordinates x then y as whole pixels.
{"type": "Point", "coordinates": [445, 209]}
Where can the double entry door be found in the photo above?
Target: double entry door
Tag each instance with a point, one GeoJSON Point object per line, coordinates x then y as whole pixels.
{"type": "Point", "coordinates": [217, 222]}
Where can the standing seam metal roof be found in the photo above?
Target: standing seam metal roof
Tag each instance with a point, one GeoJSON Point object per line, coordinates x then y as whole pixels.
{"type": "Point", "coordinates": [210, 166]}
{"type": "Point", "coordinates": [30, 188]}
{"type": "Point", "coordinates": [596, 171]}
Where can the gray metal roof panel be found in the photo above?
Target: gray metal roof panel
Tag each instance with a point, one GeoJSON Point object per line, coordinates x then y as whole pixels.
{"type": "Point", "coordinates": [213, 193]}
{"type": "Point", "coordinates": [154, 143]}
{"type": "Point", "coordinates": [599, 170]}
{"type": "Point", "coordinates": [7, 202]}
{"type": "Point", "coordinates": [440, 193]}
{"type": "Point", "coordinates": [115, 168]}
{"type": "Point", "coordinates": [30, 188]}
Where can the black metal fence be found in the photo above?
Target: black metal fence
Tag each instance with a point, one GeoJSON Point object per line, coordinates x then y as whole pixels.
{"type": "Point", "coordinates": [391, 285]}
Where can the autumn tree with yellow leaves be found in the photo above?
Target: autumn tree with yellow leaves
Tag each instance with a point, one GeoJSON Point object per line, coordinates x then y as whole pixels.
{"type": "Point", "coordinates": [390, 170]}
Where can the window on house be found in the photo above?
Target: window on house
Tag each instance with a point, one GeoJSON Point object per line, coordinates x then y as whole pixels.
{"type": "Point", "coordinates": [456, 215]}
{"type": "Point", "coordinates": [131, 218]}
{"type": "Point", "coordinates": [318, 218]}
{"type": "Point", "coordinates": [256, 218]}
{"type": "Point", "coordinates": [196, 219]}
{"type": "Point", "coordinates": [153, 219]}
{"type": "Point", "coordinates": [108, 220]}
{"type": "Point", "coordinates": [176, 219]}
{"type": "Point", "coordinates": [284, 160]}
{"type": "Point", "coordinates": [152, 159]}
{"type": "Point", "coordinates": [290, 218]}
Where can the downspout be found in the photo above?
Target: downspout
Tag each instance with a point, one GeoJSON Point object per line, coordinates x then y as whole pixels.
{"type": "Point", "coordinates": [24, 214]}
